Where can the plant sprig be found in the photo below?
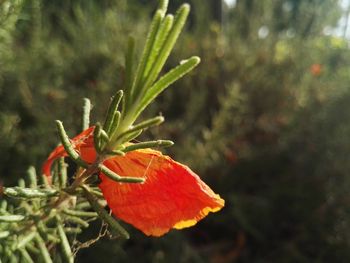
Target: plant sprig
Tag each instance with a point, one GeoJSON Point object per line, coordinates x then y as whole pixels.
{"type": "Point", "coordinates": [46, 207]}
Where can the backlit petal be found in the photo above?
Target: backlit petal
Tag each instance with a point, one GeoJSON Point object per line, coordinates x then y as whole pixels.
{"type": "Point", "coordinates": [172, 196]}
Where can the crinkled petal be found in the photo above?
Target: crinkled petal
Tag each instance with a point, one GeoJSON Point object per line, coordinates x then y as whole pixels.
{"type": "Point", "coordinates": [172, 196]}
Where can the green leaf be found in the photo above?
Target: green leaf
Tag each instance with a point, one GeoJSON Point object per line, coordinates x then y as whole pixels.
{"type": "Point", "coordinates": [43, 249]}
{"type": "Point", "coordinates": [72, 230]}
{"type": "Point", "coordinates": [120, 179]}
{"type": "Point", "coordinates": [144, 125]}
{"type": "Point", "coordinates": [163, 6]}
{"type": "Point", "coordinates": [77, 220]}
{"type": "Point", "coordinates": [68, 145]}
{"type": "Point", "coordinates": [86, 114]}
{"type": "Point", "coordinates": [4, 234]}
{"type": "Point", "coordinates": [32, 177]}
{"type": "Point", "coordinates": [162, 34]}
{"type": "Point", "coordinates": [62, 172]}
{"type": "Point", "coordinates": [113, 224]}
{"type": "Point", "coordinates": [27, 193]}
{"type": "Point", "coordinates": [3, 205]}
{"type": "Point", "coordinates": [115, 122]}
{"type": "Point", "coordinates": [126, 137]}
{"type": "Point", "coordinates": [112, 110]}
{"type": "Point", "coordinates": [164, 82]}
{"type": "Point", "coordinates": [24, 240]}
{"type": "Point", "coordinates": [79, 213]}
{"type": "Point", "coordinates": [11, 218]}
{"type": "Point", "coordinates": [146, 52]}
{"type": "Point", "coordinates": [150, 144]}
{"type": "Point", "coordinates": [132, 132]}
{"type": "Point", "coordinates": [97, 138]}
{"type": "Point", "coordinates": [179, 21]}
{"type": "Point", "coordinates": [25, 256]}
{"type": "Point", "coordinates": [65, 246]}
{"type": "Point", "coordinates": [21, 182]}
{"type": "Point", "coordinates": [116, 152]}
{"type": "Point", "coordinates": [129, 72]}
{"type": "Point", "coordinates": [44, 181]}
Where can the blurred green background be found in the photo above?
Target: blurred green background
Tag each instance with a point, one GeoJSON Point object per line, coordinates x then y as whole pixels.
{"type": "Point", "coordinates": [264, 119]}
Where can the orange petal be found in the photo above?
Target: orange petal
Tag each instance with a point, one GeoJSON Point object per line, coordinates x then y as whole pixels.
{"type": "Point", "coordinates": [82, 143]}
{"type": "Point", "coordinates": [172, 196]}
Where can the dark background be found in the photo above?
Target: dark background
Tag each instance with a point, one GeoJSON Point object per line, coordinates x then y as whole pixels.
{"type": "Point", "coordinates": [264, 119]}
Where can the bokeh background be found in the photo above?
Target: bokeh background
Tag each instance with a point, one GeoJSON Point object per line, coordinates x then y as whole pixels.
{"type": "Point", "coordinates": [264, 119]}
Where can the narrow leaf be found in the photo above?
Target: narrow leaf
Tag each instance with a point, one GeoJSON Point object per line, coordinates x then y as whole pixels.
{"type": "Point", "coordinates": [115, 122]}
{"type": "Point", "coordinates": [65, 246]}
{"type": "Point", "coordinates": [24, 240]}
{"type": "Point", "coordinates": [79, 213]}
{"type": "Point", "coordinates": [43, 249]}
{"type": "Point", "coordinates": [11, 218]}
{"type": "Point", "coordinates": [62, 170]}
{"type": "Point", "coordinates": [97, 138]}
{"type": "Point", "coordinates": [163, 6]}
{"type": "Point", "coordinates": [3, 203]}
{"type": "Point", "coordinates": [83, 205]}
{"type": "Point", "coordinates": [147, 50]}
{"type": "Point", "coordinates": [121, 179]}
{"type": "Point", "coordinates": [4, 234]}
{"type": "Point", "coordinates": [13, 257]}
{"type": "Point", "coordinates": [32, 249]}
{"type": "Point", "coordinates": [68, 146]}
{"type": "Point", "coordinates": [25, 256]}
{"type": "Point", "coordinates": [19, 192]}
{"type": "Point", "coordinates": [112, 109]}
{"type": "Point", "coordinates": [166, 80]}
{"type": "Point", "coordinates": [45, 181]}
{"type": "Point", "coordinates": [150, 144]}
{"type": "Point", "coordinates": [21, 182]}
{"type": "Point", "coordinates": [158, 43]}
{"type": "Point", "coordinates": [77, 220]}
{"type": "Point", "coordinates": [129, 72]}
{"type": "Point", "coordinates": [126, 137]}
{"type": "Point", "coordinates": [113, 224]}
{"type": "Point", "coordinates": [116, 152]}
{"type": "Point", "coordinates": [72, 230]}
{"type": "Point", "coordinates": [32, 177]}
{"type": "Point", "coordinates": [86, 114]}
{"type": "Point", "coordinates": [144, 125]}
{"type": "Point", "coordinates": [179, 21]}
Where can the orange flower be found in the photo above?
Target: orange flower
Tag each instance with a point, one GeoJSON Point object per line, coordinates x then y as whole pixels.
{"type": "Point", "coordinates": [172, 196]}
{"type": "Point", "coordinates": [316, 69]}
